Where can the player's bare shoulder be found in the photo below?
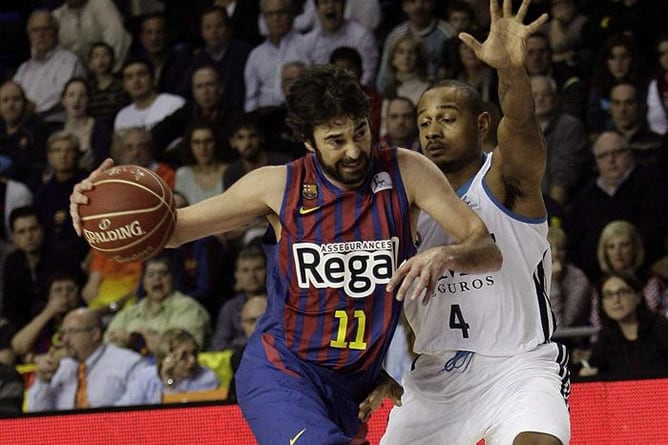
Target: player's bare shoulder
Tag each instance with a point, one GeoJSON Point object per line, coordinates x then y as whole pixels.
{"type": "Point", "coordinates": [266, 183]}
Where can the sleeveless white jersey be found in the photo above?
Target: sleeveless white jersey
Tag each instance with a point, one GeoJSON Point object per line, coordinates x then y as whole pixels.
{"type": "Point", "coordinates": [498, 313]}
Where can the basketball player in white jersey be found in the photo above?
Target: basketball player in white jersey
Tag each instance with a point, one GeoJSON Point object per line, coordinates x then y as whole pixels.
{"type": "Point", "coordinates": [487, 368]}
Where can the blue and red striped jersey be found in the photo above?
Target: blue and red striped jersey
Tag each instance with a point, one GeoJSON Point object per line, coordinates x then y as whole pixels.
{"type": "Point", "coordinates": [326, 276]}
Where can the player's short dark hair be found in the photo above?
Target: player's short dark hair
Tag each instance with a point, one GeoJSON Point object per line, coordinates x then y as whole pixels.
{"type": "Point", "coordinates": [323, 93]}
{"type": "Point", "coordinates": [473, 99]}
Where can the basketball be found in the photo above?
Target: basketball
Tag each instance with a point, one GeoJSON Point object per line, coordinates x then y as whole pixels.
{"type": "Point", "coordinates": [130, 214]}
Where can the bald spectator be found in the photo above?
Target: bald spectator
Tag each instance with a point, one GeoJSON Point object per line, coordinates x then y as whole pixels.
{"type": "Point", "coordinates": [44, 75]}
{"type": "Point", "coordinates": [283, 44]}
{"type": "Point", "coordinates": [93, 374]}
{"type": "Point", "coordinates": [335, 31]}
{"type": "Point", "coordinates": [85, 22]}
{"type": "Point", "coordinates": [622, 190]}
{"type": "Point", "coordinates": [148, 107]}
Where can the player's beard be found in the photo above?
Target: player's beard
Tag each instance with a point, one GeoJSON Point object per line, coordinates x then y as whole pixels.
{"type": "Point", "coordinates": [337, 172]}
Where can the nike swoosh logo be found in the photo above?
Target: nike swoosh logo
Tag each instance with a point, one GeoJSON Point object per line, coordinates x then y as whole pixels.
{"type": "Point", "coordinates": [306, 211]}
{"type": "Point", "coordinates": [296, 438]}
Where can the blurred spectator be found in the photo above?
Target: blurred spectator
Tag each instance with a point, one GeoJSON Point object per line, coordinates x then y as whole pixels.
{"type": "Point", "coordinates": [567, 153]}
{"type": "Point", "coordinates": [7, 355]}
{"type": "Point", "coordinates": [201, 175]}
{"type": "Point", "coordinates": [642, 19]}
{"type": "Point", "coordinates": [226, 54]}
{"type": "Point", "coordinates": [92, 374]}
{"type": "Point", "coordinates": [335, 31]}
{"type": "Point", "coordinates": [43, 76]}
{"type": "Point", "coordinates": [570, 290]}
{"type": "Point", "coordinates": [161, 309]}
{"type": "Point", "coordinates": [106, 95]}
{"type": "Point", "coordinates": [11, 391]}
{"type": "Point", "coordinates": [571, 91]}
{"type": "Point", "coordinates": [137, 149]}
{"type": "Point", "coordinates": [621, 250]}
{"type": "Point", "coordinates": [110, 284]}
{"type": "Point", "coordinates": [657, 93]}
{"type": "Point", "coordinates": [249, 140]}
{"type": "Point", "coordinates": [425, 26]}
{"type": "Point", "coordinates": [407, 70]}
{"type": "Point", "coordinates": [460, 16]}
{"type": "Point", "coordinates": [243, 19]}
{"type": "Point", "coordinates": [148, 107]}
{"type": "Point", "coordinates": [176, 370]}
{"type": "Point", "coordinates": [22, 137]}
{"type": "Point", "coordinates": [253, 308]}
{"type": "Point", "coordinates": [465, 66]}
{"type": "Point", "coordinates": [564, 29]}
{"type": "Point", "coordinates": [350, 59]}
{"type": "Point", "coordinates": [622, 190]}
{"type": "Point", "coordinates": [203, 268]}
{"type": "Point", "coordinates": [81, 23]}
{"type": "Point", "coordinates": [400, 125]}
{"type": "Point", "coordinates": [52, 199]}
{"type": "Point", "coordinates": [209, 104]}
{"type": "Point", "coordinates": [42, 333]}
{"type": "Point", "coordinates": [26, 270]}
{"type": "Point", "coordinates": [250, 280]}
{"type": "Point", "coordinates": [617, 60]}
{"type": "Point", "coordinates": [93, 136]}
{"type": "Point", "coordinates": [168, 62]}
{"type": "Point", "coordinates": [629, 120]}
{"type": "Point", "coordinates": [633, 342]}
{"type": "Point", "coordinates": [13, 194]}
{"type": "Point", "coordinates": [283, 44]}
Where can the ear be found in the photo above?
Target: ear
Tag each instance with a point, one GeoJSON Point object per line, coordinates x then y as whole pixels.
{"type": "Point", "coordinates": [484, 122]}
{"type": "Point", "coordinates": [309, 147]}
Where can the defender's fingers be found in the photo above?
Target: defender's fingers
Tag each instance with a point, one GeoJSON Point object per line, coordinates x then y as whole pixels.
{"type": "Point", "coordinates": [397, 277]}
{"type": "Point", "coordinates": [522, 12]}
{"type": "Point", "coordinates": [540, 21]}
{"type": "Point", "coordinates": [493, 11]}
{"type": "Point", "coordinates": [470, 41]}
{"type": "Point", "coordinates": [507, 8]}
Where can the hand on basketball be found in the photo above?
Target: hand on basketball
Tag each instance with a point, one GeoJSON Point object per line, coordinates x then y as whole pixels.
{"type": "Point", "coordinates": [419, 275]}
{"type": "Point", "coordinates": [505, 46]}
{"type": "Point", "coordinates": [78, 196]}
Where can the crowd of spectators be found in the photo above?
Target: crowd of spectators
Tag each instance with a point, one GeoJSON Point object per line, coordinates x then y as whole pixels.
{"type": "Point", "coordinates": [196, 92]}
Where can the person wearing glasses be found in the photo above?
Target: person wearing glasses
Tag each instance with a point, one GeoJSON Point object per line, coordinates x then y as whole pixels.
{"type": "Point", "coordinates": [621, 190]}
{"type": "Point", "coordinates": [176, 370]}
{"type": "Point", "coordinates": [92, 374]}
{"type": "Point", "coordinates": [633, 341]}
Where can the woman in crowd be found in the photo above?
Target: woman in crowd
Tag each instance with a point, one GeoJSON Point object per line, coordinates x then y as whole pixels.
{"type": "Point", "coordinates": [201, 175]}
{"type": "Point", "coordinates": [633, 341]}
{"type": "Point", "coordinates": [94, 135]}
{"type": "Point", "coordinates": [657, 94]}
{"type": "Point", "coordinates": [106, 90]}
{"type": "Point", "coordinates": [407, 70]}
{"type": "Point", "coordinates": [175, 370]}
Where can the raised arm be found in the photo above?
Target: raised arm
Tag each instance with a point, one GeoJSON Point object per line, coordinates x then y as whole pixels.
{"type": "Point", "coordinates": [519, 159]}
{"type": "Point", "coordinates": [473, 249]}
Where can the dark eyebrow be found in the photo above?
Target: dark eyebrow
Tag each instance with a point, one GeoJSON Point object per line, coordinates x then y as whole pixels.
{"type": "Point", "coordinates": [441, 107]}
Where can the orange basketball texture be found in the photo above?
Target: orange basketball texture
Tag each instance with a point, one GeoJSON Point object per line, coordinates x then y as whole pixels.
{"type": "Point", "coordinates": [130, 214]}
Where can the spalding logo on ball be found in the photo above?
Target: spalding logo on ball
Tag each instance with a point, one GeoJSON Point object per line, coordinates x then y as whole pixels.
{"type": "Point", "coordinates": [130, 215]}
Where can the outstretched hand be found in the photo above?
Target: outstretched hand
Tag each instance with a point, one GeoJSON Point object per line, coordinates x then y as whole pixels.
{"type": "Point", "coordinates": [505, 46]}
{"type": "Point", "coordinates": [78, 197]}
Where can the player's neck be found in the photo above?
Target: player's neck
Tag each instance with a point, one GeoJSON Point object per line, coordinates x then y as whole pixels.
{"type": "Point", "coordinates": [459, 177]}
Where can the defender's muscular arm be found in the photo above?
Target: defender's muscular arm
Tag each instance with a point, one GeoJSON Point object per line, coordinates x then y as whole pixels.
{"type": "Point", "coordinates": [473, 251]}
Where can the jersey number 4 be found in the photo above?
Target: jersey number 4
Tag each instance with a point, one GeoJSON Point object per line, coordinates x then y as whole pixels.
{"type": "Point", "coordinates": [457, 320]}
{"type": "Point", "coordinates": [340, 340]}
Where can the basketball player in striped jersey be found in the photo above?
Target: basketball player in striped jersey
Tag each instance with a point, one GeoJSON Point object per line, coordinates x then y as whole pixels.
{"type": "Point", "coordinates": [487, 368]}
{"type": "Point", "coordinates": [340, 244]}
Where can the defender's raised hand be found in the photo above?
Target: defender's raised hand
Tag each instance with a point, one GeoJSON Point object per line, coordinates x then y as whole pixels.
{"type": "Point", "coordinates": [505, 46]}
